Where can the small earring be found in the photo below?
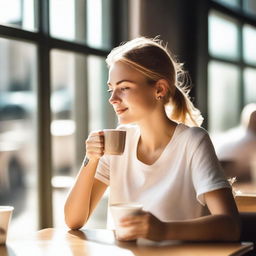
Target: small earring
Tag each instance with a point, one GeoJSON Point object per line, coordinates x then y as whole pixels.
{"type": "Point", "coordinates": [159, 97]}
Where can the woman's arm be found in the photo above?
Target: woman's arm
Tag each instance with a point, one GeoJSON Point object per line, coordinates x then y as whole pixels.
{"type": "Point", "coordinates": [222, 225]}
{"type": "Point", "coordinates": [83, 197]}
{"type": "Point", "coordinates": [87, 190]}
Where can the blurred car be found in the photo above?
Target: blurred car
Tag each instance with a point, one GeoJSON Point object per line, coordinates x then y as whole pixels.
{"type": "Point", "coordinates": [17, 132]}
{"type": "Point", "coordinates": [16, 105]}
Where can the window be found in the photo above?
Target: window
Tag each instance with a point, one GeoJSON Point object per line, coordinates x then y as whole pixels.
{"type": "Point", "coordinates": [52, 72]}
{"type": "Point", "coordinates": [231, 63]}
{"type": "Point", "coordinates": [18, 136]}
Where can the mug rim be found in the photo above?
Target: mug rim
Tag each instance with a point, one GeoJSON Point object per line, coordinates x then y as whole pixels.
{"type": "Point", "coordinates": [113, 130]}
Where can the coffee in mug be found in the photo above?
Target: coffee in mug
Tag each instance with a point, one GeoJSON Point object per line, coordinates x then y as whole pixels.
{"type": "Point", "coordinates": [5, 218]}
{"type": "Point", "coordinates": [114, 141]}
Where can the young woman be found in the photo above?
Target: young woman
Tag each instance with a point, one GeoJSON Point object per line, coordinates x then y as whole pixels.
{"type": "Point", "coordinates": [169, 164]}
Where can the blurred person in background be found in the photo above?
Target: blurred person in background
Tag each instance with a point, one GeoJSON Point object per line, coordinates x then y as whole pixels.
{"type": "Point", "coordinates": [169, 164]}
{"type": "Point", "coordinates": [237, 150]}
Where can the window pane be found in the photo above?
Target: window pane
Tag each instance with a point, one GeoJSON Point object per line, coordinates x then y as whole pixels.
{"type": "Point", "coordinates": [249, 6]}
{"type": "Point", "coordinates": [62, 128]}
{"type": "Point", "coordinates": [223, 95]}
{"type": "Point", "coordinates": [249, 85]}
{"type": "Point", "coordinates": [85, 21]}
{"type": "Point", "coordinates": [229, 3]}
{"type": "Point", "coordinates": [99, 23]}
{"type": "Point", "coordinates": [62, 100]}
{"type": "Point", "coordinates": [223, 36]}
{"type": "Point", "coordinates": [18, 147]}
{"type": "Point", "coordinates": [249, 41]}
{"type": "Point", "coordinates": [18, 13]}
{"type": "Point", "coordinates": [101, 115]}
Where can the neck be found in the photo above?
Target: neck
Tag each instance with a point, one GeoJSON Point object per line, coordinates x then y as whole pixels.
{"type": "Point", "coordinates": [156, 133]}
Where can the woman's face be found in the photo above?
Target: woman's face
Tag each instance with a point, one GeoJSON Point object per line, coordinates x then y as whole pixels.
{"type": "Point", "coordinates": [132, 98]}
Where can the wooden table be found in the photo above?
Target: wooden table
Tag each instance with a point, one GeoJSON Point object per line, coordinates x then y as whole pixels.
{"type": "Point", "coordinates": [245, 188]}
{"type": "Point", "coordinates": [245, 197]}
{"type": "Point", "coordinates": [62, 242]}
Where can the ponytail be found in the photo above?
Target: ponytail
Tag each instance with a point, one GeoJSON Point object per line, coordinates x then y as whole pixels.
{"type": "Point", "coordinates": [183, 110]}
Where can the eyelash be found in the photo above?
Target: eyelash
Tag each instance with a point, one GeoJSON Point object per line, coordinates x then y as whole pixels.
{"type": "Point", "coordinates": [110, 91]}
{"type": "Point", "coordinates": [125, 88]}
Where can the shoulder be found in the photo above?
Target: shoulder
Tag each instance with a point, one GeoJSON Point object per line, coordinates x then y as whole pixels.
{"type": "Point", "coordinates": [193, 137]}
{"type": "Point", "coordinates": [195, 132]}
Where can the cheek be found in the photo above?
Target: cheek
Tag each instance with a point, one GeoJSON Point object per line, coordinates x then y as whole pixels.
{"type": "Point", "coordinates": [147, 102]}
{"type": "Point", "coordinates": [143, 98]}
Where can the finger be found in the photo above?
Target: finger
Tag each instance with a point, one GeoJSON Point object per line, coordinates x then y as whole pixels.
{"type": "Point", "coordinates": [138, 217]}
{"type": "Point", "coordinates": [130, 223]}
{"type": "Point", "coordinates": [96, 134]}
{"type": "Point", "coordinates": [129, 238]}
{"type": "Point", "coordinates": [95, 139]}
{"type": "Point", "coordinates": [96, 144]}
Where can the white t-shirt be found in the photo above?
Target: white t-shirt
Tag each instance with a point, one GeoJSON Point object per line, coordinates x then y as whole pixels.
{"type": "Point", "coordinates": [173, 187]}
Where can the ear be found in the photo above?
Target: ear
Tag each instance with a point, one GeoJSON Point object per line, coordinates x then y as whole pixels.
{"type": "Point", "coordinates": [162, 87]}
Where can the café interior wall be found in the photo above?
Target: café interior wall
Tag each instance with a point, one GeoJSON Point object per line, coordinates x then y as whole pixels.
{"type": "Point", "coordinates": [176, 23]}
{"type": "Point", "coordinates": [183, 24]}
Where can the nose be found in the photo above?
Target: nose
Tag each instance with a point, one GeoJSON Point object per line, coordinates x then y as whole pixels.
{"type": "Point", "coordinates": [114, 98]}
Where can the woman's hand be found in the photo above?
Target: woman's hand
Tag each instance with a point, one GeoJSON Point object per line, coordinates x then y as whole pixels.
{"type": "Point", "coordinates": [144, 225]}
{"type": "Point", "coordinates": [95, 145]}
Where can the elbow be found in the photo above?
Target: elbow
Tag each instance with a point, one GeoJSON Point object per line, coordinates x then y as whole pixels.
{"type": "Point", "coordinates": [74, 224]}
{"type": "Point", "coordinates": [74, 221]}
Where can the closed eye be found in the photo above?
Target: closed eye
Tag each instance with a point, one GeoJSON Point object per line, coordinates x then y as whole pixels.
{"type": "Point", "coordinates": [110, 91]}
{"type": "Point", "coordinates": [125, 88]}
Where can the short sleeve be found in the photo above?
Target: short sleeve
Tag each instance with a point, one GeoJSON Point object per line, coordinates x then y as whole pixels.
{"type": "Point", "coordinates": [207, 174]}
{"type": "Point", "coordinates": [103, 170]}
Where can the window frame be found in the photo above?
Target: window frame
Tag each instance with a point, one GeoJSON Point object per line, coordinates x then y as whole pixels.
{"type": "Point", "coordinates": [204, 8]}
{"type": "Point", "coordinates": [45, 43]}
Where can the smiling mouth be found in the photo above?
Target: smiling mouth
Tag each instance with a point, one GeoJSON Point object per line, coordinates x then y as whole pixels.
{"type": "Point", "coordinates": [120, 111]}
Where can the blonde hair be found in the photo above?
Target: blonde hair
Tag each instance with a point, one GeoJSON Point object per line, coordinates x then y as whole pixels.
{"type": "Point", "coordinates": [154, 60]}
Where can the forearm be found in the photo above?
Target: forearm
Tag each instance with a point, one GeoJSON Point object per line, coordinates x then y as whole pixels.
{"type": "Point", "coordinates": [77, 206]}
{"type": "Point", "coordinates": [208, 228]}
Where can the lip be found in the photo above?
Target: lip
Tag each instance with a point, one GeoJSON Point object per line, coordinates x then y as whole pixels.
{"type": "Point", "coordinates": [119, 111]}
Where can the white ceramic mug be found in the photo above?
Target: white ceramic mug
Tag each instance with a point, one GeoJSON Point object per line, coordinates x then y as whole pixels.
{"type": "Point", "coordinates": [5, 218]}
{"type": "Point", "coordinates": [114, 141]}
{"type": "Point", "coordinates": [121, 210]}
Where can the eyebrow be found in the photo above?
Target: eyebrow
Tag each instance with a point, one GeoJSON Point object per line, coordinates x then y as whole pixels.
{"type": "Point", "coordinates": [122, 81]}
